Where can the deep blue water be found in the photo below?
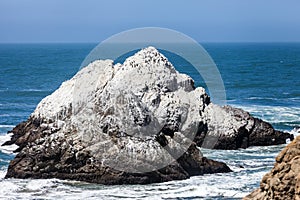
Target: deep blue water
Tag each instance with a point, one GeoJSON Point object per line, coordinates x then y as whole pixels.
{"type": "Point", "coordinates": [262, 78]}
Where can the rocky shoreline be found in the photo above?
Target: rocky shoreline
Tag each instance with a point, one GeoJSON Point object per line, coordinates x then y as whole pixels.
{"type": "Point", "coordinates": [283, 181]}
{"type": "Point", "coordinates": [133, 123]}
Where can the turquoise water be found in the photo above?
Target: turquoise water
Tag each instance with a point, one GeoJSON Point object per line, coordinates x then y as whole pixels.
{"type": "Point", "coordinates": [260, 78]}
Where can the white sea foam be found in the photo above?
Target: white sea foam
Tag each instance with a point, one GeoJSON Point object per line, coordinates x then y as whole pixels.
{"type": "Point", "coordinates": [26, 90]}
{"type": "Point", "coordinates": [6, 126]}
{"type": "Point", "coordinates": [261, 98]}
{"type": "Point", "coordinates": [296, 131]}
{"type": "Point", "coordinates": [248, 165]}
{"type": "Point", "coordinates": [7, 149]}
{"type": "Point", "coordinates": [2, 173]}
{"type": "Point", "coordinates": [35, 90]}
{"type": "Point", "coordinates": [274, 114]}
{"type": "Point", "coordinates": [209, 186]}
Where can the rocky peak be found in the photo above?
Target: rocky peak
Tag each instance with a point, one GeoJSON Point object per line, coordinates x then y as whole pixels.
{"type": "Point", "coordinates": [149, 57]}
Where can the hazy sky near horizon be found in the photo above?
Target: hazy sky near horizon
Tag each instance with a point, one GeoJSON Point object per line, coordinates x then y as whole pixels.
{"type": "Point", "coordinates": [203, 20]}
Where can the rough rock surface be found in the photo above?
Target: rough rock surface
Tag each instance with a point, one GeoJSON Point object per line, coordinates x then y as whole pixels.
{"type": "Point", "coordinates": [283, 181]}
{"type": "Point", "coordinates": [232, 128]}
{"type": "Point", "coordinates": [136, 122]}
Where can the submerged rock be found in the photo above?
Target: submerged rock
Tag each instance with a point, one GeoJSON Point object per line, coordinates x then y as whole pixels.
{"type": "Point", "coordinates": [283, 181]}
{"type": "Point", "coordinates": [136, 122]}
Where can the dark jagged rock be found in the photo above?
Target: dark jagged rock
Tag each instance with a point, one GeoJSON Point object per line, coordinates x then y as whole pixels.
{"type": "Point", "coordinates": [57, 157]}
{"type": "Point", "coordinates": [236, 128]}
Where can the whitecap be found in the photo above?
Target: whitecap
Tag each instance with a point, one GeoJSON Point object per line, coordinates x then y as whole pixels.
{"type": "Point", "coordinates": [35, 90]}
{"type": "Point", "coordinates": [295, 131]}
{"type": "Point", "coordinates": [261, 98]}
{"type": "Point", "coordinates": [9, 148]}
{"type": "Point", "coordinates": [273, 114]}
{"type": "Point", "coordinates": [6, 126]}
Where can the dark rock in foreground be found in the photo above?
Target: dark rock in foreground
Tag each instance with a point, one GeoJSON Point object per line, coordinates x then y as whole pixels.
{"type": "Point", "coordinates": [135, 123]}
{"type": "Point", "coordinates": [283, 181]}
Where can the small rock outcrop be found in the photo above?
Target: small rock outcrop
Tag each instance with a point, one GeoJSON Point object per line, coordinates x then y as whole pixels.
{"type": "Point", "coordinates": [133, 123]}
{"type": "Point", "coordinates": [232, 128]}
{"type": "Point", "coordinates": [283, 181]}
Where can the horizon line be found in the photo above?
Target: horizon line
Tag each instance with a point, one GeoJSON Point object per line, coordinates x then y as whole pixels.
{"type": "Point", "coordinates": [95, 42]}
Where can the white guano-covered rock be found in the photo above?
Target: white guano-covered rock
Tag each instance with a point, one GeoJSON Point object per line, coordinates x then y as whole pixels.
{"type": "Point", "coordinates": [136, 122]}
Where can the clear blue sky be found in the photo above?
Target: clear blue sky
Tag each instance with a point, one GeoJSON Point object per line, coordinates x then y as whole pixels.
{"type": "Point", "coordinates": [95, 20]}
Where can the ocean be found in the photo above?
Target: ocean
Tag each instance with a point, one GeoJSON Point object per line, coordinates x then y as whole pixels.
{"type": "Point", "coordinates": [261, 78]}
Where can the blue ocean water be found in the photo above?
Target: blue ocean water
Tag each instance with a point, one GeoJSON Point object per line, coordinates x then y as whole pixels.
{"type": "Point", "coordinates": [262, 78]}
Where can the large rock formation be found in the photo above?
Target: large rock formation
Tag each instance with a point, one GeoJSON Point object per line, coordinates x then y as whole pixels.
{"type": "Point", "coordinates": [283, 181]}
{"type": "Point", "coordinates": [136, 122]}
